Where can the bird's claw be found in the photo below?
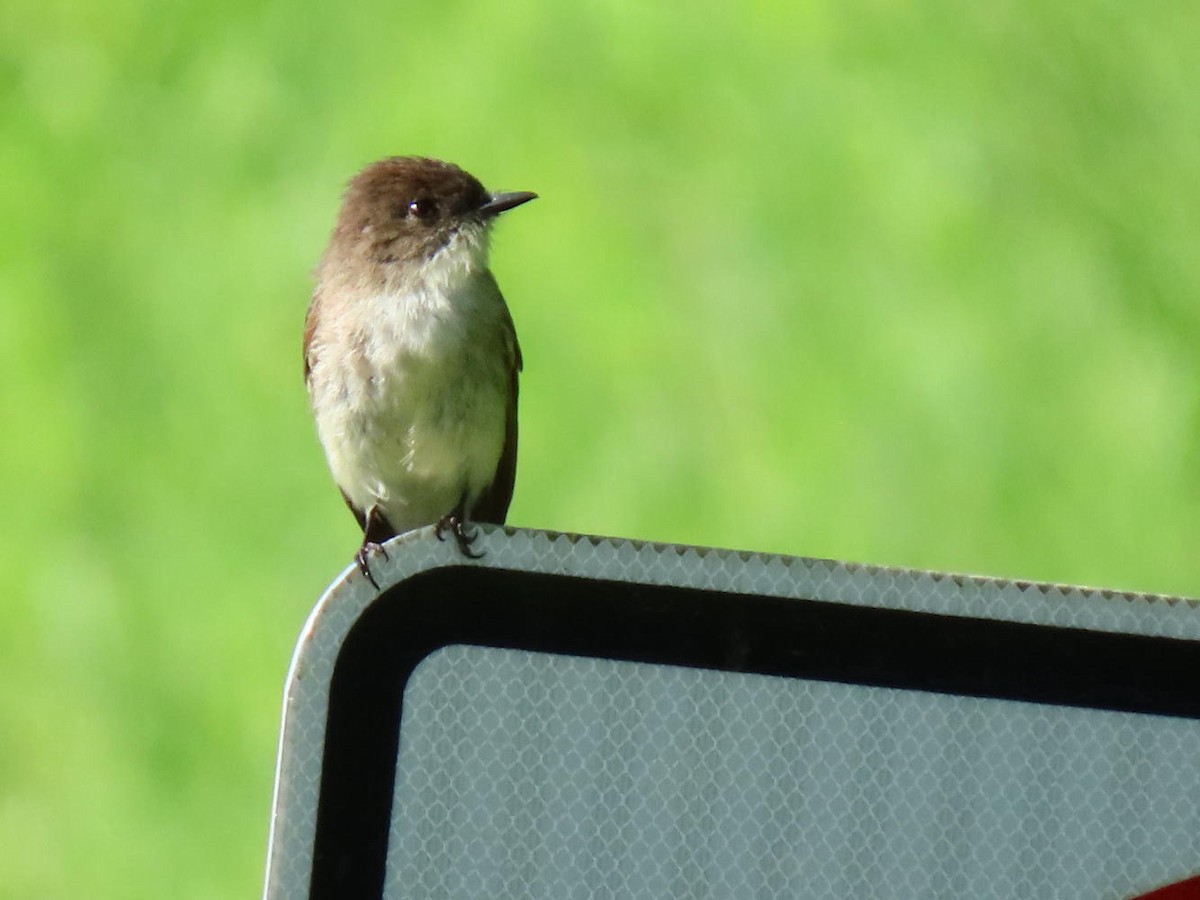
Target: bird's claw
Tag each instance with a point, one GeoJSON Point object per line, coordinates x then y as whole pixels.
{"type": "Point", "coordinates": [457, 526]}
{"type": "Point", "coordinates": [362, 557]}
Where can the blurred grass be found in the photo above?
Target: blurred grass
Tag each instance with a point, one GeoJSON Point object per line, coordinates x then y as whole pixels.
{"type": "Point", "coordinates": [914, 285]}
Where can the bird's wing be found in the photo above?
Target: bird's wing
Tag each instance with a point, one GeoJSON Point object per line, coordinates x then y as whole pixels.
{"type": "Point", "coordinates": [310, 327]}
{"type": "Point", "coordinates": [492, 505]}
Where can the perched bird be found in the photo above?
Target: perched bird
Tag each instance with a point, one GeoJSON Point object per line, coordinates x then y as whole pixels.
{"type": "Point", "coordinates": [410, 354]}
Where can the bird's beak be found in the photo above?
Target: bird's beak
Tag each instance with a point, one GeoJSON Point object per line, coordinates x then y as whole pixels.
{"type": "Point", "coordinates": [498, 203]}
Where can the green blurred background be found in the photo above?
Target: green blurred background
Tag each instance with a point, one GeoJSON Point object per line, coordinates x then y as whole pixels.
{"type": "Point", "coordinates": [908, 284]}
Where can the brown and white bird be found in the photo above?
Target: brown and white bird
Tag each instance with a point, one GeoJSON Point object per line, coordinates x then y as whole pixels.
{"type": "Point", "coordinates": [410, 354]}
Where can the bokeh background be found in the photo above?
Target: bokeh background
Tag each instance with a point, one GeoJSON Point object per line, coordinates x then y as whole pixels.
{"type": "Point", "coordinates": [908, 284]}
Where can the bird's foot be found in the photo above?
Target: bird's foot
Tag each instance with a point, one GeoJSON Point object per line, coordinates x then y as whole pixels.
{"type": "Point", "coordinates": [456, 524]}
{"type": "Point", "coordinates": [362, 557]}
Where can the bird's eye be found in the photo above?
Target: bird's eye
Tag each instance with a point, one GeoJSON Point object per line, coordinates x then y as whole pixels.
{"type": "Point", "coordinates": [422, 208]}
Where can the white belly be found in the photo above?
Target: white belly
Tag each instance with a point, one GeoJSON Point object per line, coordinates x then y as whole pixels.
{"type": "Point", "coordinates": [414, 421]}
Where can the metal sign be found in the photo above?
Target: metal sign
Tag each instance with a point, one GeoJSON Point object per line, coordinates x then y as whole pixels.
{"type": "Point", "coordinates": [575, 717]}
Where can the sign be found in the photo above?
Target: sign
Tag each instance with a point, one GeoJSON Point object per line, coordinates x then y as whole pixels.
{"type": "Point", "coordinates": [575, 717]}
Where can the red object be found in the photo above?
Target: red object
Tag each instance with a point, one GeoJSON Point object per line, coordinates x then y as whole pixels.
{"type": "Point", "coordinates": [1180, 890]}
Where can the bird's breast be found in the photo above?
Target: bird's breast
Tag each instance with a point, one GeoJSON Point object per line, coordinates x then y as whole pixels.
{"type": "Point", "coordinates": [412, 406]}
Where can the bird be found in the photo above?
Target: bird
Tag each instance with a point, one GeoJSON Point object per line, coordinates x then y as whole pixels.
{"type": "Point", "coordinates": [411, 359]}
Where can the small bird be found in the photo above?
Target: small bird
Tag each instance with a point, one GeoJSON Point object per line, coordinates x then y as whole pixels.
{"type": "Point", "coordinates": [411, 357]}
